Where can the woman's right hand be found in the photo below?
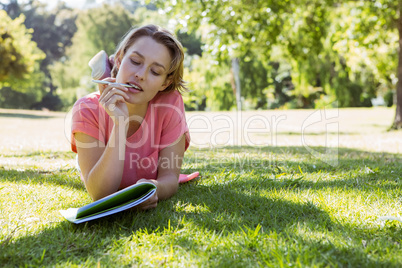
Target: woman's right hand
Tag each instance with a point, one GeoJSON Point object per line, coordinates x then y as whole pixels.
{"type": "Point", "coordinates": [113, 100]}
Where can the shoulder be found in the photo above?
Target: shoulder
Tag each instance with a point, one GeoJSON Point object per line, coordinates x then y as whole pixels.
{"type": "Point", "coordinates": [171, 97]}
{"type": "Point", "coordinates": [168, 104]}
{"type": "Point", "coordinates": [87, 106]}
{"type": "Point", "coordinates": [90, 99]}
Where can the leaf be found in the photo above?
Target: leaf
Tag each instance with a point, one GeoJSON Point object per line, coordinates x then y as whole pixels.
{"type": "Point", "coordinates": [294, 182]}
{"type": "Point", "coordinates": [300, 170]}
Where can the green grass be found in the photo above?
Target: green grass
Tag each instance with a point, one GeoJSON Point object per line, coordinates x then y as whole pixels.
{"type": "Point", "coordinates": [274, 207]}
{"type": "Point", "coordinates": [268, 207]}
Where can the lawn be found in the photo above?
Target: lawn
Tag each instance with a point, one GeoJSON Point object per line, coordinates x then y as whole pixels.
{"type": "Point", "coordinates": [277, 189]}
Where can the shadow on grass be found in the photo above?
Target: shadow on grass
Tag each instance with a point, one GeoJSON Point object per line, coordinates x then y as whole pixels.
{"type": "Point", "coordinates": [42, 155]}
{"type": "Point", "coordinates": [282, 155]}
{"type": "Point", "coordinates": [31, 172]}
{"type": "Point", "coordinates": [229, 211]}
{"type": "Point", "coordinates": [322, 133]}
{"type": "Point", "coordinates": [32, 177]}
{"type": "Point", "coordinates": [286, 167]}
{"type": "Point", "coordinates": [27, 115]}
{"type": "Point", "coordinates": [215, 203]}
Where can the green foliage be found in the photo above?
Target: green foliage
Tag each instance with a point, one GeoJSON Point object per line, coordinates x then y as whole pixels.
{"type": "Point", "coordinates": [190, 42]}
{"type": "Point", "coordinates": [11, 99]}
{"type": "Point", "coordinates": [389, 98]}
{"type": "Point", "coordinates": [209, 85]}
{"type": "Point", "coordinates": [101, 28]}
{"type": "Point", "coordinates": [97, 29]}
{"type": "Point", "coordinates": [304, 30]}
{"type": "Point", "coordinates": [251, 30]}
{"type": "Point", "coordinates": [253, 77]}
{"type": "Point", "coordinates": [344, 51]}
{"type": "Point", "coordinates": [52, 30]}
{"type": "Point", "coordinates": [281, 86]}
{"type": "Point", "coordinates": [365, 40]}
{"type": "Point", "coordinates": [322, 40]}
{"type": "Point", "coordinates": [144, 15]}
{"type": "Point", "coordinates": [49, 101]}
{"type": "Point", "coordinates": [19, 55]}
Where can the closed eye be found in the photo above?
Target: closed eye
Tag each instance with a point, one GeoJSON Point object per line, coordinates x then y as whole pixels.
{"type": "Point", "coordinates": [135, 62]}
{"type": "Point", "coordinates": [155, 73]}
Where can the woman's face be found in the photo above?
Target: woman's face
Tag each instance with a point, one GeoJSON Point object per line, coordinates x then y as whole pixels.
{"type": "Point", "coordinates": [145, 65]}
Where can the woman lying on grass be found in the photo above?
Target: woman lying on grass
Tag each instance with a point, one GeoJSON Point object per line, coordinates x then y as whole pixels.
{"type": "Point", "coordinates": [126, 134]}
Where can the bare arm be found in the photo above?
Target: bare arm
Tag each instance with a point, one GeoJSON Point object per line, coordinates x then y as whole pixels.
{"type": "Point", "coordinates": [170, 161]}
{"type": "Point", "coordinates": [102, 165]}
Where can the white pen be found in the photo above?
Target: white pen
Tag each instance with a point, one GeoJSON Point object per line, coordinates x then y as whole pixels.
{"type": "Point", "coordinates": [108, 83]}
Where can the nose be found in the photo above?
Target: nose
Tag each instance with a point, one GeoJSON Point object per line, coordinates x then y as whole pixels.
{"type": "Point", "coordinates": [140, 73]}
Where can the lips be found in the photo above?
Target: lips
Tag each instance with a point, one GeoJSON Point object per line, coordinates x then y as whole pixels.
{"type": "Point", "coordinates": [134, 86]}
{"type": "Point", "coordinates": [133, 90]}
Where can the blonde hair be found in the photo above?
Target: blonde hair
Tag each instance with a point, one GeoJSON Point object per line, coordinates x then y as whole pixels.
{"type": "Point", "coordinates": [165, 38]}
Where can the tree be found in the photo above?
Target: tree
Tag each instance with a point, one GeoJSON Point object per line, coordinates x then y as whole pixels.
{"type": "Point", "coordinates": [237, 29]}
{"type": "Point", "coordinates": [398, 114]}
{"type": "Point", "coordinates": [209, 85]}
{"type": "Point", "coordinates": [19, 55]}
{"type": "Point", "coordinates": [234, 28]}
{"type": "Point", "coordinates": [98, 29]}
{"type": "Point", "coordinates": [388, 18]}
{"type": "Point", "coordinates": [371, 39]}
{"type": "Point", "coordinates": [53, 32]}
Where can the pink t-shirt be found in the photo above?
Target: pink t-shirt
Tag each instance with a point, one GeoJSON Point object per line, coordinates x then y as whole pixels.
{"type": "Point", "coordinates": [164, 123]}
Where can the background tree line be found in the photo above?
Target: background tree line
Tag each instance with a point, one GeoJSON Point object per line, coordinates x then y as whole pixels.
{"type": "Point", "coordinates": [291, 53]}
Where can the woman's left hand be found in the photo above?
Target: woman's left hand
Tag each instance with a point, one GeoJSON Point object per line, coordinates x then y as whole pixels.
{"type": "Point", "coordinates": [152, 202]}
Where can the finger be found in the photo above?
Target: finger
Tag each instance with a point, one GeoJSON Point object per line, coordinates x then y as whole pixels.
{"type": "Point", "coordinates": [102, 87]}
{"type": "Point", "coordinates": [154, 198]}
{"type": "Point", "coordinates": [146, 207]}
{"type": "Point", "coordinates": [115, 86]}
{"type": "Point", "coordinates": [108, 93]}
{"type": "Point", "coordinates": [149, 207]}
{"type": "Point", "coordinates": [112, 86]}
{"type": "Point", "coordinates": [152, 202]}
{"type": "Point", "coordinates": [116, 99]}
{"type": "Point", "coordinates": [111, 104]}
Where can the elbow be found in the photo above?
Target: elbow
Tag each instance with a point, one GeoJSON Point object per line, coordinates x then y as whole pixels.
{"type": "Point", "coordinates": [166, 188]}
{"type": "Point", "coordinates": [95, 195]}
{"type": "Point", "coordinates": [98, 190]}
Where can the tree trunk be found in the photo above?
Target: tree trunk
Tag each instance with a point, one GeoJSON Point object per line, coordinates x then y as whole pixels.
{"type": "Point", "coordinates": [398, 114]}
{"type": "Point", "coordinates": [236, 76]}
